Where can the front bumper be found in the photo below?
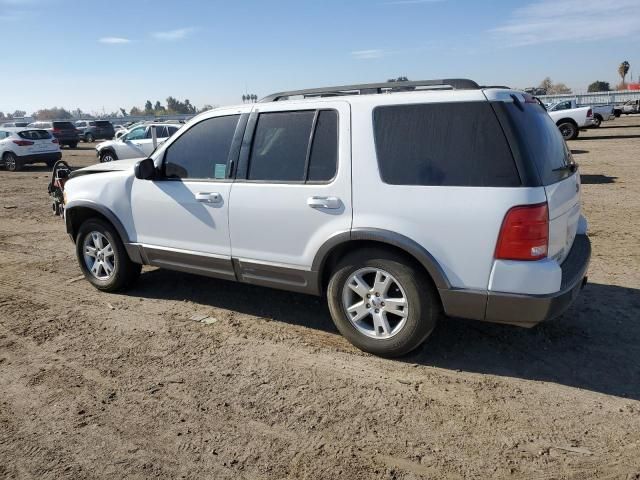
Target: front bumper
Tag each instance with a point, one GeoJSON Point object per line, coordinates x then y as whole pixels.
{"type": "Point", "coordinates": [520, 309]}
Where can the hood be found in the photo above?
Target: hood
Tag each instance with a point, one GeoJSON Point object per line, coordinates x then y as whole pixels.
{"type": "Point", "coordinates": [117, 166]}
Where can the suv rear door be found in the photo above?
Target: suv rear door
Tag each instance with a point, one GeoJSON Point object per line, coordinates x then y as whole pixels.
{"type": "Point", "coordinates": [541, 144]}
{"type": "Point", "coordinates": [292, 191]}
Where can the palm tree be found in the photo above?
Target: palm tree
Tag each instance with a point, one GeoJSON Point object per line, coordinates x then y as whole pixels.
{"type": "Point", "coordinates": [623, 69]}
{"type": "Point", "coordinates": [244, 98]}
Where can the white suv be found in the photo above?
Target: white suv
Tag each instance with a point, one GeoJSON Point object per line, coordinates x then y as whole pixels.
{"type": "Point", "coordinates": [136, 143]}
{"type": "Point", "coordinates": [398, 201]}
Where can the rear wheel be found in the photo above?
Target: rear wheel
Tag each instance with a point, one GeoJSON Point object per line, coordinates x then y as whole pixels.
{"type": "Point", "coordinates": [107, 156]}
{"type": "Point", "coordinates": [103, 258]}
{"type": "Point", "coordinates": [569, 130]}
{"type": "Point", "coordinates": [11, 162]}
{"type": "Point", "coordinates": [382, 303]}
{"type": "Point", "coordinates": [51, 163]}
{"type": "Point", "coordinates": [88, 138]}
{"type": "Point", "coordinates": [73, 144]}
{"type": "Point", "coordinates": [597, 121]}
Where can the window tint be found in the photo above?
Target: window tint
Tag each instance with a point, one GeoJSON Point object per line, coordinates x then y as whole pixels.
{"type": "Point", "coordinates": [63, 125]}
{"type": "Point", "coordinates": [102, 123]}
{"type": "Point", "coordinates": [324, 151]}
{"type": "Point", "coordinates": [35, 134]}
{"type": "Point", "coordinates": [280, 144]}
{"type": "Point", "coordinates": [136, 133]}
{"type": "Point", "coordinates": [161, 132]}
{"type": "Point", "coordinates": [172, 130]}
{"type": "Point", "coordinates": [452, 144]}
{"type": "Point", "coordinates": [3, 135]}
{"type": "Point", "coordinates": [540, 141]}
{"type": "Point", "coordinates": [203, 150]}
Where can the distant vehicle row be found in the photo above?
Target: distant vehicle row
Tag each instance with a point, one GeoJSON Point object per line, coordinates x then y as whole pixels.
{"type": "Point", "coordinates": [135, 142]}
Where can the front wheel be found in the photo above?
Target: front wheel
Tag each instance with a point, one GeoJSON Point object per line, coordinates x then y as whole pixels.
{"type": "Point", "coordinates": [569, 131]}
{"type": "Point", "coordinates": [382, 303]}
{"type": "Point", "coordinates": [107, 156]}
{"type": "Point", "coordinates": [103, 258]}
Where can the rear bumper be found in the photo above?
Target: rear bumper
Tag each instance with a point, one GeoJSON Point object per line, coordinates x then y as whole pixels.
{"type": "Point", "coordinates": [524, 310]}
{"type": "Point", "coordinates": [40, 158]}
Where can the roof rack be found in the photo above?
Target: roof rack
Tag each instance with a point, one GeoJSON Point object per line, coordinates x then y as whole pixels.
{"type": "Point", "coordinates": [373, 88]}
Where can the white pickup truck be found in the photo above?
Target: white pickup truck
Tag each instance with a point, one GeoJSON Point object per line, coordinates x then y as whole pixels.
{"type": "Point", "coordinates": [570, 121]}
{"type": "Point", "coordinates": [601, 113]}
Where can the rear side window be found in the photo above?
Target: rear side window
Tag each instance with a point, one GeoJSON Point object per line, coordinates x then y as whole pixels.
{"type": "Point", "coordinates": [63, 125]}
{"type": "Point", "coordinates": [280, 145]}
{"type": "Point", "coordinates": [35, 134]}
{"type": "Point", "coordinates": [443, 144]}
{"type": "Point", "coordinates": [161, 132]}
{"type": "Point", "coordinates": [203, 150]}
{"type": "Point", "coordinates": [282, 152]}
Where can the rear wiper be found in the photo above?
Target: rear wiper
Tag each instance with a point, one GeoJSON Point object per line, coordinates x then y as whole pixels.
{"type": "Point", "coordinates": [571, 167]}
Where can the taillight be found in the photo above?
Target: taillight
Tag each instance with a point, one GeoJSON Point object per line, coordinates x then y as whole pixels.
{"type": "Point", "coordinates": [55, 140]}
{"type": "Point", "coordinates": [589, 113]}
{"type": "Point", "coordinates": [23, 143]}
{"type": "Point", "coordinates": [524, 234]}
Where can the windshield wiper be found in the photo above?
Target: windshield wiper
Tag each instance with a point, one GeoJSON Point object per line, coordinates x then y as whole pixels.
{"type": "Point", "coordinates": [571, 167]}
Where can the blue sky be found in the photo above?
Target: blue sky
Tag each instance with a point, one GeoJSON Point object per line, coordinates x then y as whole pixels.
{"type": "Point", "coordinates": [96, 54]}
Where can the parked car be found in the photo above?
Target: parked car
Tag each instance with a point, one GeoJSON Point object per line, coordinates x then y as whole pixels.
{"type": "Point", "coordinates": [15, 124]}
{"type": "Point", "coordinates": [601, 113]}
{"type": "Point", "coordinates": [91, 130]}
{"type": "Point", "coordinates": [135, 143]}
{"type": "Point", "coordinates": [23, 146]}
{"type": "Point", "coordinates": [630, 106]}
{"type": "Point", "coordinates": [570, 121]}
{"type": "Point", "coordinates": [64, 131]}
{"type": "Point", "coordinates": [397, 206]}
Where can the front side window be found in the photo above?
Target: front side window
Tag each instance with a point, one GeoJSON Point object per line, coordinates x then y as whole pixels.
{"type": "Point", "coordinates": [136, 133]}
{"type": "Point", "coordinates": [202, 152]}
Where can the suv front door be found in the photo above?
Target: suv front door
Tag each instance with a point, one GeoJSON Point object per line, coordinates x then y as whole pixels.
{"type": "Point", "coordinates": [181, 218]}
{"type": "Point", "coordinates": [292, 191]}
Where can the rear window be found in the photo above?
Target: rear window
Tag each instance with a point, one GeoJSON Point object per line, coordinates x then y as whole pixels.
{"type": "Point", "coordinates": [35, 135]}
{"type": "Point", "coordinates": [540, 141]}
{"type": "Point", "coordinates": [63, 125]}
{"type": "Point", "coordinates": [443, 144]}
{"type": "Point", "coordinates": [102, 124]}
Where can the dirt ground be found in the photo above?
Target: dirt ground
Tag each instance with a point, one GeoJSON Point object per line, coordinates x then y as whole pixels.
{"type": "Point", "coordinates": [96, 385]}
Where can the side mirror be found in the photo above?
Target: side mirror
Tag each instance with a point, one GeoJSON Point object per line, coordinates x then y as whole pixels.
{"type": "Point", "coordinates": [145, 169]}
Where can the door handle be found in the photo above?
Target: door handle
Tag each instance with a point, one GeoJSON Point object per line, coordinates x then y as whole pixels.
{"type": "Point", "coordinates": [208, 197]}
{"type": "Point", "coordinates": [331, 203]}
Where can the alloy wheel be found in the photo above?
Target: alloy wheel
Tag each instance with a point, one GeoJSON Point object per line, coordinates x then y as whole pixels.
{"type": "Point", "coordinates": [375, 303]}
{"type": "Point", "coordinates": [99, 256]}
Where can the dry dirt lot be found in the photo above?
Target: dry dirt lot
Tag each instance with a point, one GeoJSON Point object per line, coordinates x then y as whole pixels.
{"type": "Point", "coordinates": [96, 385]}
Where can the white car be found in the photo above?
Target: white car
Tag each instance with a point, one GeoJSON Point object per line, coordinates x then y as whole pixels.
{"type": "Point", "coordinates": [399, 202]}
{"type": "Point", "coordinates": [23, 146]}
{"type": "Point", "coordinates": [601, 113]}
{"type": "Point", "coordinates": [570, 121]}
{"type": "Point", "coordinates": [137, 142]}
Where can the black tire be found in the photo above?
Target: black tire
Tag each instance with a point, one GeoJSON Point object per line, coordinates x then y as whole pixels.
{"type": "Point", "coordinates": [88, 138]}
{"type": "Point", "coordinates": [11, 162]}
{"type": "Point", "coordinates": [423, 303]}
{"type": "Point", "coordinates": [124, 272]}
{"type": "Point", "coordinates": [72, 145]}
{"type": "Point", "coordinates": [597, 121]}
{"type": "Point", "coordinates": [107, 156]}
{"type": "Point", "coordinates": [568, 130]}
{"type": "Point", "coordinates": [51, 163]}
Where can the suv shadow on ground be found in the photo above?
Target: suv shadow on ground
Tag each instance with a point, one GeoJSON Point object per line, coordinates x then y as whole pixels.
{"type": "Point", "coordinates": [591, 347]}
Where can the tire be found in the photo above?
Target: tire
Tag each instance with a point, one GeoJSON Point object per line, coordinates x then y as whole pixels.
{"type": "Point", "coordinates": [11, 162]}
{"type": "Point", "coordinates": [107, 156]}
{"type": "Point", "coordinates": [597, 121]}
{"type": "Point", "coordinates": [114, 270]}
{"type": "Point", "coordinates": [400, 334]}
{"type": "Point", "coordinates": [51, 163]}
{"type": "Point", "coordinates": [568, 130]}
{"type": "Point", "coordinates": [88, 138]}
{"type": "Point", "coordinates": [72, 145]}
